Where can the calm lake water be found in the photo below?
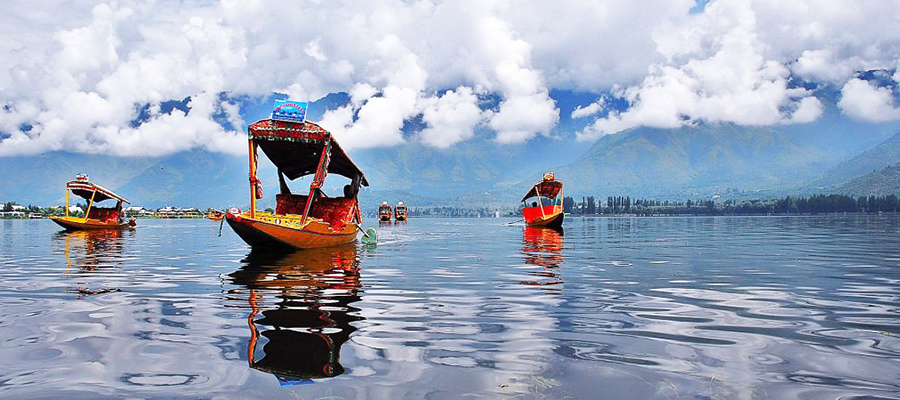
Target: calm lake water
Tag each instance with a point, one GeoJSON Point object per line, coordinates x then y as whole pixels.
{"type": "Point", "coordinates": [615, 308]}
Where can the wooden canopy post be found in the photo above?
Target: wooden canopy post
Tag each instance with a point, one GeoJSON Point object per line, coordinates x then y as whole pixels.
{"type": "Point", "coordinates": [253, 181]}
{"type": "Point", "coordinates": [318, 179]}
{"type": "Point", "coordinates": [67, 201]}
{"type": "Point", "coordinates": [540, 203]}
{"type": "Point", "coordinates": [90, 204]}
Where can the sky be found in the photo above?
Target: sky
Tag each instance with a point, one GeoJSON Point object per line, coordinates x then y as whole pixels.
{"type": "Point", "coordinates": [75, 75]}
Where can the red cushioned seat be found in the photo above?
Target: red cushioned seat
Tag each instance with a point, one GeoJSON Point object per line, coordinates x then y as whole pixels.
{"type": "Point", "coordinates": [335, 211]}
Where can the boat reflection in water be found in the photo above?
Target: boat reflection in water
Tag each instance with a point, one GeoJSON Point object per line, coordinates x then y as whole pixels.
{"type": "Point", "coordinates": [542, 247]}
{"type": "Point", "coordinates": [300, 310]}
{"type": "Point", "coordinates": [88, 251]}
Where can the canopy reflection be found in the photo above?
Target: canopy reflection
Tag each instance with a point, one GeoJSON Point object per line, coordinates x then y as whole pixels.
{"type": "Point", "coordinates": [301, 310]}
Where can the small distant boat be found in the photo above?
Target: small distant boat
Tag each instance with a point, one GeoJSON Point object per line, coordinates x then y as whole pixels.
{"type": "Point", "coordinates": [215, 215]}
{"type": "Point", "coordinates": [94, 217]}
{"type": "Point", "coordinates": [400, 212]}
{"type": "Point", "coordinates": [384, 211]}
{"type": "Point", "coordinates": [299, 148]}
{"type": "Point", "coordinates": [538, 213]}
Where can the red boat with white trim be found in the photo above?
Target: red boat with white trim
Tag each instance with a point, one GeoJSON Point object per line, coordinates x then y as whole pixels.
{"type": "Point", "coordinates": [547, 211]}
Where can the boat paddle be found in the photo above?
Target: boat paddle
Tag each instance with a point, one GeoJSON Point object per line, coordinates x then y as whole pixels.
{"type": "Point", "coordinates": [221, 223]}
{"type": "Point", "coordinates": [514, 222]}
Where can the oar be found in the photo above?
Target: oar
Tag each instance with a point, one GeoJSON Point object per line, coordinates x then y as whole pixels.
{"type": "Point", "coordinates": [514, 222]}
{"type": "Point", "coordinates": [221, 223]}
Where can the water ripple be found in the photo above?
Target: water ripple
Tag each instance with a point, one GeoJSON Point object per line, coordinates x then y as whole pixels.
{"type": "Point", "coordinates": [617, 308]}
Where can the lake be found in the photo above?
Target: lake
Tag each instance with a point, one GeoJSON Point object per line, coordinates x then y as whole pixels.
{"type": "Point", "coordinates": [803, 307]}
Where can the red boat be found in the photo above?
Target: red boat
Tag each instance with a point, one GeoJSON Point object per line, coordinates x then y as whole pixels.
{"type": "Point", "coordinates": [547, 210]}
{"type": "Point", "coordinates": [384, 211]}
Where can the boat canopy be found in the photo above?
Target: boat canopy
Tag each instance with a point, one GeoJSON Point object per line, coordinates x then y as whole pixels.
{"type": "Point", "coordinates": [85, 189]}
{"type": "Point", "coordinates": [296, 148]}
{"type": "Point", "coordinates": [546, 188]}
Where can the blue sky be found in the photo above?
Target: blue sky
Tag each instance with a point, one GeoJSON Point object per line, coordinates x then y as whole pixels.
{"type": "Point", "coordinates": [75, 74]}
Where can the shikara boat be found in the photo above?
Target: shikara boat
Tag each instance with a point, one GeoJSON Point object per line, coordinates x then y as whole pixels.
{"type": "Point", "coordinates": [384, 211]}
{"type": "Point", "coordinates": [94, 217]}
{"type": "Point", "coordinates": [547, 210]}
{"type": "Point", "coordinates": [297, 149]}
{"type": "Point", "coordinates": [215, 215]}
{"type": "Point", "coordinates": [400, 212]}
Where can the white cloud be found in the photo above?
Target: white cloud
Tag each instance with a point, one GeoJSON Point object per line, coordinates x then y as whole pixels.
{"type": "Point", "coordinates": [718, 69]}
{"type": "Point", "coordinates": [590, 109]}
{"type": "Point", "coordinates": [312, 49]}
{"type": "Point", "coordinates": [809, 109]}
{"type": "Point", "coordinates": [860, 99]}
{"type": "Point", "coordinates": [731, 62]}
{"type": "Point", "coordinates": [451, 118]}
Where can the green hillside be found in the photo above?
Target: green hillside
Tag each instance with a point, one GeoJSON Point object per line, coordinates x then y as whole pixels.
{"type": "Point", "coordinates": [883, 182]}
{"type": "Point", "coordinates": [694, 161]}
{"type": "Point", "coordinates": [885, 154]}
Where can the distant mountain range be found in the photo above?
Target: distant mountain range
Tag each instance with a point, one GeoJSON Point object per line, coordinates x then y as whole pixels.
{"type": "Point", "coordinates": [833, 154]}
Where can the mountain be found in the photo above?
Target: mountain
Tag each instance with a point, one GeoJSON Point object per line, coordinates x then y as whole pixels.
{"type": "Point", "coordinates": [191, 179]}
{"type": "Point", "coordinates": [695, 160]}
{"type": "Point", "coordinates": [737, 161]}
{"type": "Point", "coordinates": [882, 182]}
{"type": "Point", "coordinates": [41, 179]}
{"type": "Point", "coordinates": [692, 161]}
{"type": "Point", "coordinates": [885, 154]}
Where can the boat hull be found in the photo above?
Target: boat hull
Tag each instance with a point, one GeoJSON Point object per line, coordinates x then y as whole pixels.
{"type": "Point", "coordinates": [273, 233]}
{"type": "Point", "coordinates": [554, 220]}
{"type": "Point", "coordinates": [78, 224]}
{"type": "Point", "coordinates": [385, 218]}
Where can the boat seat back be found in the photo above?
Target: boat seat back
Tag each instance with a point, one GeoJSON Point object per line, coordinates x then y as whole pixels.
{"type": "Point", "coordinates": [289, 204]}
{"type": "Point", "coordinates": [337, 211]}
{"type": "Point", "coordinates": [108, 215]}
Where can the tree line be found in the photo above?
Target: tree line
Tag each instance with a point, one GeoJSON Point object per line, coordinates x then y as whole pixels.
{"type": "Point", "coordinates": [820, 203]}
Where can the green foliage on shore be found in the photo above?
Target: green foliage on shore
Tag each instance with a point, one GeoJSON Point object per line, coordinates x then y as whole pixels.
{"type": "Point", "coordinates": [814, 204]}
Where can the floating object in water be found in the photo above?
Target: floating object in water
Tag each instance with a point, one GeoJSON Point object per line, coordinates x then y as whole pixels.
{"type": "Point", "coordinates": [370, 236]}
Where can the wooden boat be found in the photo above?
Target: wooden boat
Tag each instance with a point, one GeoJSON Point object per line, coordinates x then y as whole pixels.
{"type": "Point", "coordinates": [384, 211]}
{"type": "Point", "coordinates": [400, 212]}
{"type": "Point", "coordinates": [547, 211]}
{"type": "Point", "coordinates": [215, 215]}
{"type": "Point", "coordinates": [300, 221]}
{"type": "Point", "coordinates": [94, 217]}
